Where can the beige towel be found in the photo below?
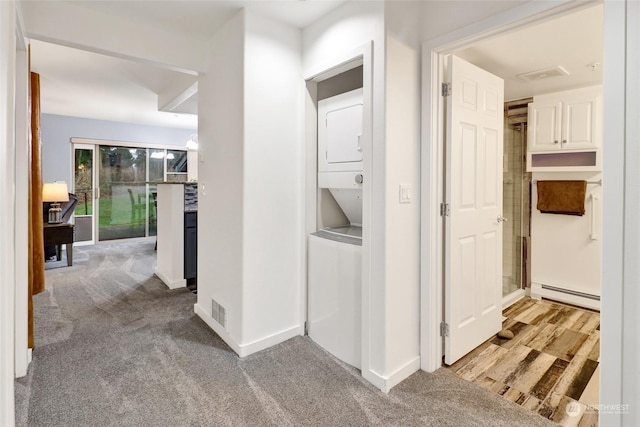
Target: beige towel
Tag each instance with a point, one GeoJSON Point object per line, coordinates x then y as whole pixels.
{"type": "Point", "coordinates": [562, 197]}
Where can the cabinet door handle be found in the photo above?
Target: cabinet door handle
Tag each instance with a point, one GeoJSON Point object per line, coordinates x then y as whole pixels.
{"type": "Point", "coordinates": [555, 142]}
{"type": "Point", "coordinates": [564, 141]}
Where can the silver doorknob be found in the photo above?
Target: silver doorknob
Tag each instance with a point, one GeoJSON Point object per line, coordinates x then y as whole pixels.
{"type": "Point", "coordinates": [358, 178]}
{"type": "Point", "coordinates": [501, 219]}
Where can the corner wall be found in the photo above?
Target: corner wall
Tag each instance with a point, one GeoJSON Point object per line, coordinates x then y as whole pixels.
{"type": "Point", "coordinates": [221, 181]}
{"type": "Point", "coordinates": [250, 135]}
{"type": "Point", "coordinates": [273, 182]}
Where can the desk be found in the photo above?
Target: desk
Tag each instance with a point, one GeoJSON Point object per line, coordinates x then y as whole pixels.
{"type": "Point", "coordinates": [59, 234]}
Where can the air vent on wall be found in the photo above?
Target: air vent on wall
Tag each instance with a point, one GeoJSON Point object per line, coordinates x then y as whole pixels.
{"type": "Point", "coordinates": [532, 76]}
{"type": "Point", "coordinates": [218, 313]}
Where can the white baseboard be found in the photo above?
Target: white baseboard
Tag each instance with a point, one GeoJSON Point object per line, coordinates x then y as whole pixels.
{"type": "Point", "coordinates": [171, 283]}
{"type": "Point", "coordinates": [222, 333]}
{"type": "Point", "coordinates": [386, 383]}
{"type": "Point", "coordinates": [244, 350]}
{"type": "Point", "coordinates": [269, 341]}
{"type": "Point", "coordinates": [538, 291]}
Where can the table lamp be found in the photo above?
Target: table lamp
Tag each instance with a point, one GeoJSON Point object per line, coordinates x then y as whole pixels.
{"type": "Point", "coordinates": [55, 192]}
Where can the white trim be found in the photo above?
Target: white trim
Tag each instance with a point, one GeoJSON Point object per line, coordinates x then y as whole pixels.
{"type": "Point", "coordinates": [512, 298]}
{"type": "Point", "coordinates": [342, 62]}
{"type": "Point", "coordinates": [244, 350]}
{"type": "Point", "coordinates": [617, 203]}
{"type": "Point", "coordinates": [222, 333]}
{"type": "Point", "coordinates": [23, 168]}
{"type": "Point", "coordinates": [269, 341]}
{"type": "Point", "coordinates": [386, 383]}
{"type": "Point", "coordinates": [171, 283]}
{"type": "Point", "coordinates": [433, 51]}
{"type": "Point", "coordinates": [128, 144]}
{"type": "Point", "coordinates": [7, 195]}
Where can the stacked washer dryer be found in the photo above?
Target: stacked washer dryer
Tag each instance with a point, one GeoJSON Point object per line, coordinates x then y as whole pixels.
{"type": "Point", "coordinates": [335, 253]}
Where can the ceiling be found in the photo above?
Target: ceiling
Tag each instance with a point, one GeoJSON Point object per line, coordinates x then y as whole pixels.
{"type": "Point", "coordinates": [573, 41]}
{"type": "Point", "coordinates": [85, 84]}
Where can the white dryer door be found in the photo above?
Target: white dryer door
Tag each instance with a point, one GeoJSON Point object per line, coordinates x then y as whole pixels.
{"type": "Point", "coordinates": [344, 131]}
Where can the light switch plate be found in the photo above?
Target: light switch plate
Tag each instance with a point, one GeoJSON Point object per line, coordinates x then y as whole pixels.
{"type": "Point", "coordinates": [405, 193]}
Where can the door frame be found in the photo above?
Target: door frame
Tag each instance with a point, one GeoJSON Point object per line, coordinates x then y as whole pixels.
{"type": "Point", "coordinates": [432, 177]}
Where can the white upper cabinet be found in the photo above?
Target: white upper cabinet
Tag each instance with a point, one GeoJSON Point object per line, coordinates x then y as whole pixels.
{"type": "Point", "coordinates": [568, 120]}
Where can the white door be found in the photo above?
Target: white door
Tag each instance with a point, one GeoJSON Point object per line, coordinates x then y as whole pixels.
{"type": "Point", "coordinates": [473, 253]}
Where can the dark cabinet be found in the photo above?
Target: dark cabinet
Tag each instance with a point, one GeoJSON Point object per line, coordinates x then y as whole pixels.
{"type": "Point", "coordinates": [190, 245]}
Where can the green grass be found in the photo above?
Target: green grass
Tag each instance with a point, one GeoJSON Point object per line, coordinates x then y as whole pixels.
{"type": "Point", "coordinates": [117, 217]}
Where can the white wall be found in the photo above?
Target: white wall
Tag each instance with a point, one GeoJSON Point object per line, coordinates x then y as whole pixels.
{"type": "Point", "coordinates": [402, 167]}
{"type": "Point", "coordinates": [563, 254]}
{"type": "Point", "coordinates": [221, 180]}
{"type": "Point", "coordinates": [250, 134]}
{"type": "Point", "coordinates": [7, 194]}
{"type": "Point", "coordinates": [272, 233]}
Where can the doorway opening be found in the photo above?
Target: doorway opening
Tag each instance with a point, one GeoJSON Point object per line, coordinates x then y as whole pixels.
{"type": "Point", "coordinates": [526, 314]}
{"type": "Point", "coordinates": [516, 205]}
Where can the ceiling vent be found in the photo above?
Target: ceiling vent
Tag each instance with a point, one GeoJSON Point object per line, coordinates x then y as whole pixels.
{"type": "Point", "coordinates": [532, 76]}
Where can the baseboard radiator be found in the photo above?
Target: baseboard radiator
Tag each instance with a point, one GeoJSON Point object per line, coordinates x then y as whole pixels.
{"type": "Point", "coordinates": [539, 291]}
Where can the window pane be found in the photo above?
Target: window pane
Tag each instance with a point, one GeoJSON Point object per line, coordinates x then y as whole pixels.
{"type": "Point", "coordinates": [83, 185]}
{"type": "Point", "coordinates": [156, 165]}
{"type": "Point", "coordinates": [122, 177]}
{"type": "Point", "coordinates": [176, 161]}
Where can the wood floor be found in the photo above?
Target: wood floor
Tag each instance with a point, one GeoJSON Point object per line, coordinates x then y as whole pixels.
{"type": "Point", "coordinates": [550, 366]}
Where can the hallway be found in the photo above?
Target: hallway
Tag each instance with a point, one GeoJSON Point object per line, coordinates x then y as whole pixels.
{"type": "Point", "coordinates": [114, 346]}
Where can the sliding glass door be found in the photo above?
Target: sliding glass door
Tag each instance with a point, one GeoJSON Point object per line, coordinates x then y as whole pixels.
{"type": "Point", "coordinates": [116, 188]}
{"type": "Point", "coordinates": [123, 208]}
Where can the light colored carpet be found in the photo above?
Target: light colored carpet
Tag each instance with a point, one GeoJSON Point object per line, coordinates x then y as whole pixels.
{"type": "Point", "coordinates": [115, 347]}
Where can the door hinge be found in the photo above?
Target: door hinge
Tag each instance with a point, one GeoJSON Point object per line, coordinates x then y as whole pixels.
{"type": "Point", "coordinates": [306, 328]}
{"type": "Point", "coordinates": [446, 89]}
{"type": "Point", "coordinates": [444, 209]}
{"type": "Point", "coordinates": [444, 329]}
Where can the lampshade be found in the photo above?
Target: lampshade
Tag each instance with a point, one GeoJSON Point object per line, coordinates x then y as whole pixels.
{"type": "Point", "coordinates": [55, 192]}
{"type": "Point", "coordinates": [192, 142]}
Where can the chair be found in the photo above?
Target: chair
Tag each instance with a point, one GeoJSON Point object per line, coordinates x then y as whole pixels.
{"type": "Point", "coordinates": [137, 209]}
